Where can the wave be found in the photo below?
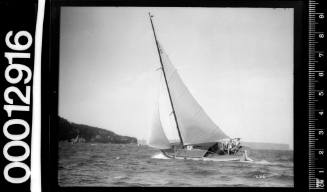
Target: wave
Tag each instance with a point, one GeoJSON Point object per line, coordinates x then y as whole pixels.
{"type": "Point", "coordinates": [259, 174]}
{"type": "Point", "coordinates": [262, 162]}
{"type": "Point", "coordinates": [129, 184]}
{"type": "Point", "coordinates": [176, 184]}
{"type": "Point", "coordinates": [283, 177]}
{"type": "Point", "coordinates": [121, 177]}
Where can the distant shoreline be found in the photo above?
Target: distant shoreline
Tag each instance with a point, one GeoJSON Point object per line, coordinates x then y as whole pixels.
{"type": "Point", "coordinates": [79, 133]}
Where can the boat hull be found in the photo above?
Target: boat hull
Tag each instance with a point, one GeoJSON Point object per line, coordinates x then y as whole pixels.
{"type": "Point", "coordinates": [201, 155]}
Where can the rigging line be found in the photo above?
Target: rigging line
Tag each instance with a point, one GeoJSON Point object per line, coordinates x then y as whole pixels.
{"type": "Point", "coordinates": [163, 71]}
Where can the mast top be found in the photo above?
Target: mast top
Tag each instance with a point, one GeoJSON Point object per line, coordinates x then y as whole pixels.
{"type": "Point", "coordinates": [164, 74]}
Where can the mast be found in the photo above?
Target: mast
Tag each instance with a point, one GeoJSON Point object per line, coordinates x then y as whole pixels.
{"type": "Point", "coordinates": [163, 71]}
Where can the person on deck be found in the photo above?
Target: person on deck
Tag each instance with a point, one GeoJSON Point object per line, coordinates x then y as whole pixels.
{"type": "Point", "coordinates": [224, 146]}
{"type": "Point", "coordinates": [229, 146]}
{"type": "Point", "coordinates": [236, 145]}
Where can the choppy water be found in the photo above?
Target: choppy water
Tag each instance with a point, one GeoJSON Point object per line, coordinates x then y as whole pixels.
{"type": "Point", "coordinates": [87, 164]}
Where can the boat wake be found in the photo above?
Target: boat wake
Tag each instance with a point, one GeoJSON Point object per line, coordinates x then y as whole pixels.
{"type": "Point", "coordinates": [262, 162]}
{"type": "Point", "coordinates": [159, 156]}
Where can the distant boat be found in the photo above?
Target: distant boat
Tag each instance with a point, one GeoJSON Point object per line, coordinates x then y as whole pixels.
{"type": "Point", "coordinates": [199, 137]}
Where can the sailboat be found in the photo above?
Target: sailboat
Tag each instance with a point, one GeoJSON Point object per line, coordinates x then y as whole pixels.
{"type": "Point", "coordinates": [198, 136]}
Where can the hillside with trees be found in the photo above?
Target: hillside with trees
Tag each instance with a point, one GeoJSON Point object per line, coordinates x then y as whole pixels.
{"type": "Point", "coordinates": [79, 133]}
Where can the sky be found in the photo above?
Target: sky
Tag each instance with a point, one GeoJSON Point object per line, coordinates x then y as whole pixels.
{"type": "Point", "coordinates": [236, 62]}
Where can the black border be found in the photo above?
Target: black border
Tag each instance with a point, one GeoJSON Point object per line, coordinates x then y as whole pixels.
{"type": "Point", "coordinates": [50, 78]}
{"type": "Point", "coordinates": [10, 20]}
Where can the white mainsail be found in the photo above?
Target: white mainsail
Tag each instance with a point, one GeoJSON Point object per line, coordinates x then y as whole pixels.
{"type": "Point", "coordinates": [195, 125]}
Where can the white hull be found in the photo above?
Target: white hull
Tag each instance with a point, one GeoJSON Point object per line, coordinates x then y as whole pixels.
{"type": "Point", "coordinates": [242, 157]}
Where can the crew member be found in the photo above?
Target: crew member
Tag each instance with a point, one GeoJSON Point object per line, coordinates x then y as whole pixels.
{"type": "Point", "coordinates": [229, 146]}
